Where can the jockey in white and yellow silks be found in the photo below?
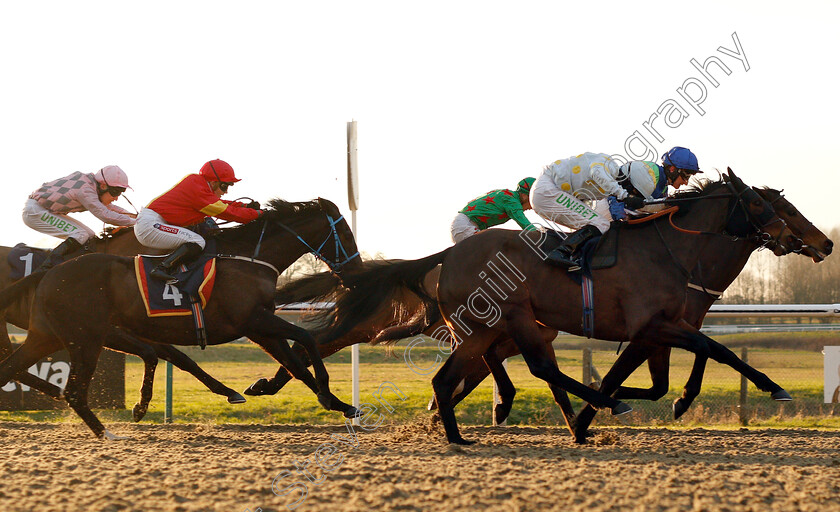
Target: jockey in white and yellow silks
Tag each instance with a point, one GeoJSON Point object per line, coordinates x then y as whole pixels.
{"type": "Point", "coordinates": [565, 191]}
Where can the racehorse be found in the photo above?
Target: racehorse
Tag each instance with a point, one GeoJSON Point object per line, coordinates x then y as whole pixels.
{"type": "Point", "coordinates": [720, 263]}
{"type": "Point", "coordinates": [713, 271]}
{"type": "Point", "coordinates": [84, 302]}
{"type": "Point", "coordinates": [121, 242]}
{"type": "Point", "coordinates": [538, 299]}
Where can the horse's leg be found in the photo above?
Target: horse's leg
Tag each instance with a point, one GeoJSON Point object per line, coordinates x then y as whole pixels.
{"type": "Point", "coordinates": [725, 356]}
{"type": "Point", "coordinates": [25, 377]}
{"type": "Point", "coordinates": [659, 360]}
{"type": "Point", "coordinates": [271, 386]}
{"type": "Point", "coordinates": [507, 391]}
{"type": "Point", "coordinates": [35, 347]}
{"type": "Point", "coordinates": [270, 332]}
{"type": "Point", "coordinates": [121, 342]}
{"type": "Point", "coordinates": [630, 359]}
{"type": "Point", "coordinates": [449, 380]}
{"type": "Point", "coordinates": [183, 362]}
{"type": "Point", "coordinates": [542, 363]}
{"type": "Point", "coordinates": [84, 355]}
{"type": "Point", "coordinates": [500, 351]}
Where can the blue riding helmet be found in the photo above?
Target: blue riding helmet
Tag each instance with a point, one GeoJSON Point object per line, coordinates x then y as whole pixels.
{"type": "Point", "coordinates": [681, 158]}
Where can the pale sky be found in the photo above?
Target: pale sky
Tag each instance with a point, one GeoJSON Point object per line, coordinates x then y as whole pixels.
{"type": "Point", "coordinates": [452, 99]}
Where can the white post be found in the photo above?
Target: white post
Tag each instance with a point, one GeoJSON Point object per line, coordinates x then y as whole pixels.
{"type": "Point", "coordinates": [353, 199]}
{"type": "Point", "coordinates": [496, 399]}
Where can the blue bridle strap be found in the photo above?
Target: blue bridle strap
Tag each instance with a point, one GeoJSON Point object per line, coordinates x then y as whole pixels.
{"type": "Point", "coordinates": [340, 251]}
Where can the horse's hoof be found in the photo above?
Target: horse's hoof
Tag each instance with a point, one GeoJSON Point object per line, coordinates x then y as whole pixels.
{"type": "Point", "coordinates": [138, 412]}
{"type": "Point", "coordinates": [781, 396]}
{"type": "Point", "coordinates": [111, 437]}
{"type": "Point", "coordinates": [501, 413]}
{"type": "Point", "coordinates": [352, 412]}
{"type": "Point", "coordinates": [432, 405]}
{"type": "Point", "coordinates": [259, 388]}
{"type": "Point", "coordinates": [620, 409]}
{"type": "Point", "coordinates": [679, 408]}
{"type": "Point", "coordinates": [461, 441]}
{"type": "Point", "coordinates": [236, 398]}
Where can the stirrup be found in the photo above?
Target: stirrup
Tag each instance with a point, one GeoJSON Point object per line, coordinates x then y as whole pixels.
{"type": "Point", "coordinates": [160, 274]}
{"type": "Point", "coordinates": [563, 259]}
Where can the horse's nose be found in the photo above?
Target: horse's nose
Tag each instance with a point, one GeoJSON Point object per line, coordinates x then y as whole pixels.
{"type": "Point", "coordinates": [828, 246]}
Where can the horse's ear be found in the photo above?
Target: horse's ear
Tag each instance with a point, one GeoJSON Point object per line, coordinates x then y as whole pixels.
{"type": "Point", "coordinates": [735, 179]}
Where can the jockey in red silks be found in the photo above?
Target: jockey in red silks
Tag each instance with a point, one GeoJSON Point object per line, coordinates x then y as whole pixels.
{"type": "Point", "coordinates": [195, 198]}
{"type": "Point", "coordinates": [47, 208]}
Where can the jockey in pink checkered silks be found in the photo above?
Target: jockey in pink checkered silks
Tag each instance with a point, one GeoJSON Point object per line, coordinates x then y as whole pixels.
{"type": "Point", "coordinates": [47, 208]}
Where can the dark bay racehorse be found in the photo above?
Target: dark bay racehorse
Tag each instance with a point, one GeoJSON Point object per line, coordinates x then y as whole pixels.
{"type": "Point", "coordinates": [84, 302]}
{"type": "Point", "coordinates": [719, 264]}
{"type": "Point", "coordinates": [714, 270]}
{"type": "Point", "coordinates": [528, 300]}
{"type": "Point", "coordinates": [121, 242]}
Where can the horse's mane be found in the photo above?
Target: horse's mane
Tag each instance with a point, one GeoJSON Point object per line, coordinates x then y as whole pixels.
{"type": "Point", "coordinates": [276, 210]}
{"type": "Point", "coordinates": [699, 189]}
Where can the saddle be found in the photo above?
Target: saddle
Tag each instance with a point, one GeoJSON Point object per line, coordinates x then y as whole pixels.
{"type": "Point", "coordinates": [597, 253]}
{"type": "Point", "coordinates": [188, 297]}
{"type": "Point", "coordinates": [23, 260]}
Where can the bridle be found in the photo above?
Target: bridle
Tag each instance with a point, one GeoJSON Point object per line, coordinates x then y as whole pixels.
{"type": "Point", "coordinates": [342, 258]}
{"type": "Point", "coordinates": [760, 235]}
{"type": "Point", "coordinates": [801, 246]}
{"type": "Point", "coordinates": [760, 223]}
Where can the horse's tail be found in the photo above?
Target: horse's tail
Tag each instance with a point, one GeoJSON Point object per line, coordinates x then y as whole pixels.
{"type": "Point", "coordinates": [13, 293]}
{"type": "Point", "coordinates": [417, 325]}
{"type": "Point", "coordinates": [378, 285]}
{"type": "Point", "coordinates": [307, 289]}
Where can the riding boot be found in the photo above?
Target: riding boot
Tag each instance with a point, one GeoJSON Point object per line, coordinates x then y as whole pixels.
{"type": "Point", "coordinates": [56, 256]}
{"type": "Point", "coordinates": [183, 254]}
{"type": "Point", "coordinates": [564, 254]}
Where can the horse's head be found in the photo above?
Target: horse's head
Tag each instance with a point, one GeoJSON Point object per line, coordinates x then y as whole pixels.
{"type": "Point", "coordinates": [320, 228]}
{"type": "Point", "coordinates": [814, 242]}
{"type": "Point", "coordinates": [763, 222]}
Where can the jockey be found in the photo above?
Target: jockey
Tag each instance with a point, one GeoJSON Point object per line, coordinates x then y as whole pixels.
{"type": "Point", "coordinates": [160, 225]}
{"type": "Point", "coordinates": [47, 208]}
{"type": "Point", "coordinates": [562, 190]}
{"type": "Point", "coordinates": [680, 164]}
{"type": "Point", "coordinates": [492, 209]}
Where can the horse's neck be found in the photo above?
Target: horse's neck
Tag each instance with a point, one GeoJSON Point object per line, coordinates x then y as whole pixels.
{"type": "Point", "coordinates": [279, 251]}
{"type": "Point", "coordinates": [721, 262]}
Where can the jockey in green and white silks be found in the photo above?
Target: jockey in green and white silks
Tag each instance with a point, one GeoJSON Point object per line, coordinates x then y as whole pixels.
{"type": "Point", "coordinates": [493, 208]}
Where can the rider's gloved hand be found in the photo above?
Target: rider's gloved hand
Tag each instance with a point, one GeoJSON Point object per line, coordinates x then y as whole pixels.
{"type": "Point", "coordinates": [616, 208]}
{"type": "Point", "coordinates": [634, 202]}
{"type": "Point", "coordinates": [254, 205]}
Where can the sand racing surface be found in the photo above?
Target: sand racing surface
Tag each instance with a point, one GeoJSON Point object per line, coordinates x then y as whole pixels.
{"type": "Point", "coordinates": [51, 467]}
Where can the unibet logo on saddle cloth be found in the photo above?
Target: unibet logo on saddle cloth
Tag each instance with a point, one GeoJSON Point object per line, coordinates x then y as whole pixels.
{"type": "Point", "coordinates": [195, 284]}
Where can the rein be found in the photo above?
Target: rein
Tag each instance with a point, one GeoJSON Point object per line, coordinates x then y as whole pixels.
{"type": "Point", "coordinates": [340, 251]}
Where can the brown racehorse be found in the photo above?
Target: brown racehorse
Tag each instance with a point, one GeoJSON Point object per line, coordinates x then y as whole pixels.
{"type": "Point", "coordinates": [121, 242]}
{"type": "Point", "coordinates": [713, 270]}
{"type": "Point", "coordinates": [84, 302]}
{"type": "Point", "coordinates": [538, 299]}
{"type": "Point", "coordinates": [721, 262]}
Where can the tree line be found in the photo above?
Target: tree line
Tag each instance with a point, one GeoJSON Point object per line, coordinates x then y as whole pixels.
{"type": "Point", "coordinates": [791, 279]}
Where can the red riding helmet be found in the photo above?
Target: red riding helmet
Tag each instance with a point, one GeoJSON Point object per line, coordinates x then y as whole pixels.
{"type": "Point", "coordinates": [218, 170]}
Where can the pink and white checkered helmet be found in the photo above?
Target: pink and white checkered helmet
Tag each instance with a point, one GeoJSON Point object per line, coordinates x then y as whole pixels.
{"type": "Point", "coordinates": [112, 176]}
